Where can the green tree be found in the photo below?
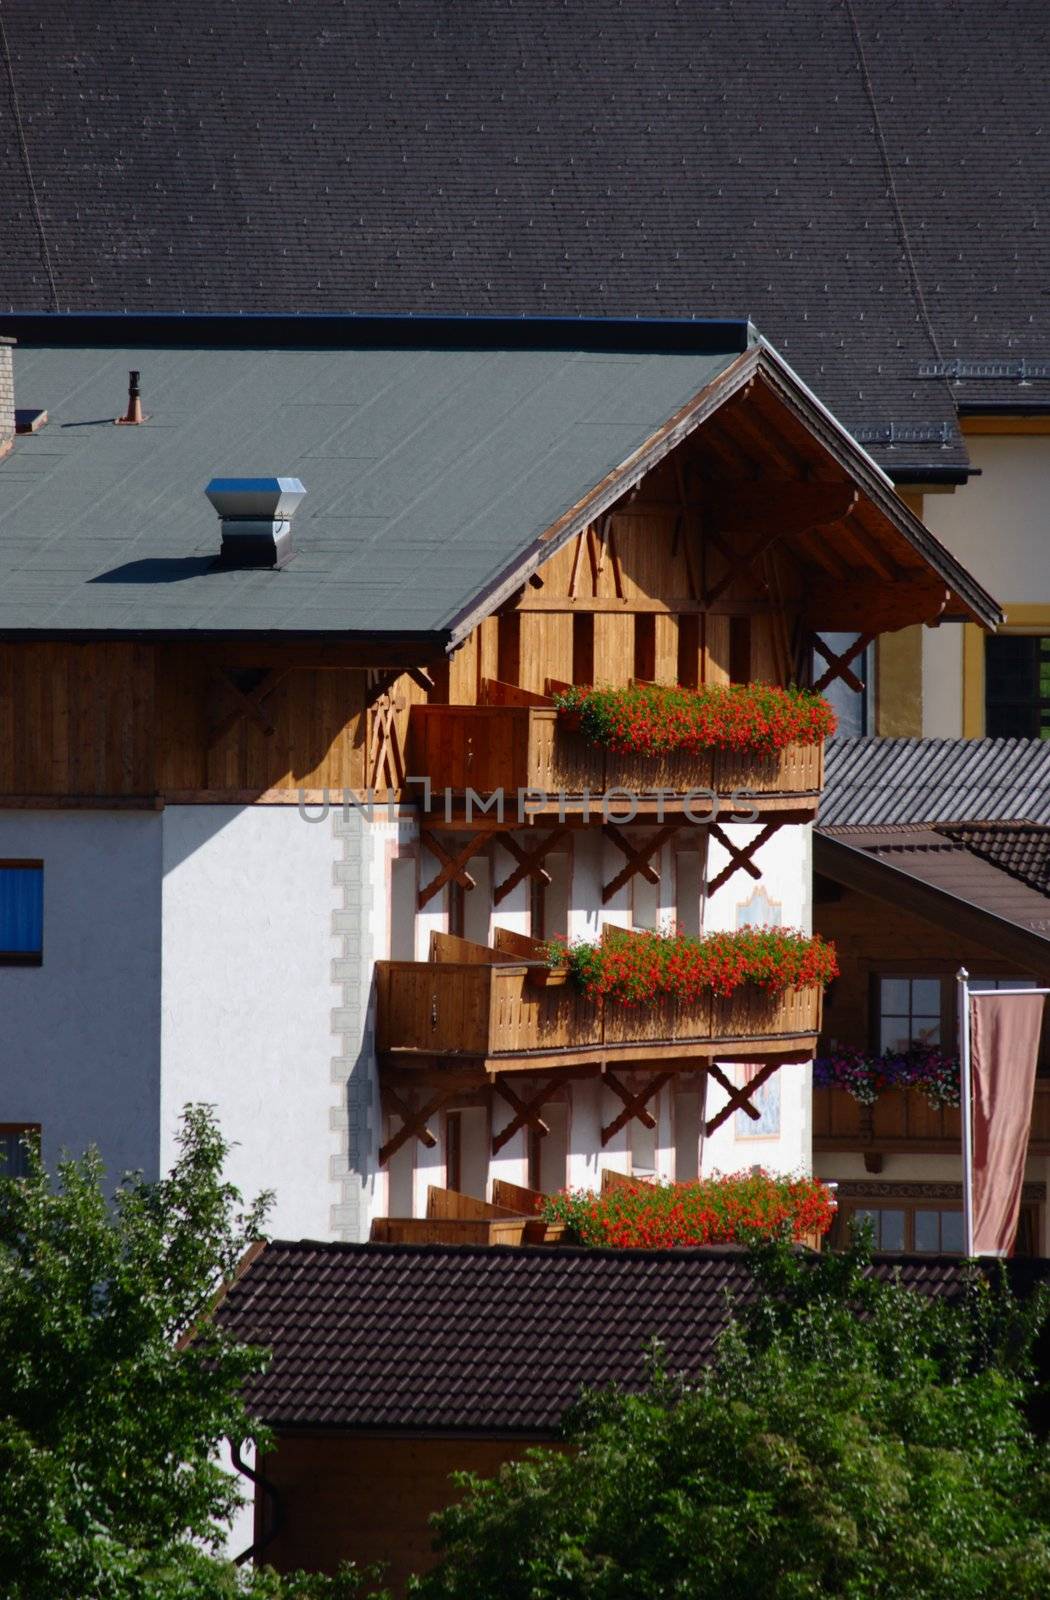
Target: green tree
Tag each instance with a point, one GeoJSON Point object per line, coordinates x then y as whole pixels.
{"type": "Point", "coordinates": [853, 1440]}
{"type": "Point", "coordinates": [116, 1390]}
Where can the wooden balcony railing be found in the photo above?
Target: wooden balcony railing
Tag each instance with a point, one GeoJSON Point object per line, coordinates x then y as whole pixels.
{"type": "Point", "coordinates": [903, 1120]}
{"type": "Point", "coordinates": [512, 747]}
{"type": "Point", "coordinates": [493, 1009]}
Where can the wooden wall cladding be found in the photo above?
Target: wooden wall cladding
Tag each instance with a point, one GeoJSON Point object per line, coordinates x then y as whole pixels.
{"type": "Point", "coordinates": [130, 721]}
{"type": "Point", "coordinates": [77, 719]}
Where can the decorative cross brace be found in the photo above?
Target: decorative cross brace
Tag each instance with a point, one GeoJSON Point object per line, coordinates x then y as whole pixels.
{"type": "Point", "coordinates": [385, 760]}
{"type": "Point", "coordinates": [249, 703]}
{"type": "Point", "coordinates": [740, 566]}
{"type": "Point", "coordinates": [739, 1099]}
{"type": "Point", "coordinates": [529, 862]}
{"type": "Point", "coordinates": [453, 867]}
{"type": "Point", "coordinates": [526, 1112]}
{"type": "Point", "coordinates": [740, 859]}
{"type": "Point", "coordinates": [413, 1120]}
{"type": "Point", "coordinates": [634, 1103]}
{"type": "Point", "coordinates": [639, 857]}
{"type": "Point", "coordinates": [839, 665]}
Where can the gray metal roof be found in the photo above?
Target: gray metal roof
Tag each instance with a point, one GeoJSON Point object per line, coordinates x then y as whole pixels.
{"type": "Point", "coordinates": [875, 781]}
{"type": "Point", "coordinates": [427, 471]}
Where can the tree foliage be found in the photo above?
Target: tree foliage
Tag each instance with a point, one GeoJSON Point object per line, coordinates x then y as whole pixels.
{"type": "Point", "coordinates": [853, 1440]}
{"type": "Point", "coordinates": [111, 1414]}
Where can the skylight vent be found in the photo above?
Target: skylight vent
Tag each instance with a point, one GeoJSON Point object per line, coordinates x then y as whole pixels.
{"type": "Point", "coordinates": [256, 519]}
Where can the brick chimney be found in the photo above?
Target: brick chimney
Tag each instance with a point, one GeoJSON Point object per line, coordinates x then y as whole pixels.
{"type": "Point", "coordinates": [7, 395]}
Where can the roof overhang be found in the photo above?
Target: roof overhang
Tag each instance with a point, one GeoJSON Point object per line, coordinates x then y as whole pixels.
{"type": "Point", "coordinates": [857, 869]}
{"type": "Point", "coordinates": [934, 588]}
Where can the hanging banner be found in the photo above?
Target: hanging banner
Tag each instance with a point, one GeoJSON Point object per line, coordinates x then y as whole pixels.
{"type": "Point", "coordinates": [1005, 1031]}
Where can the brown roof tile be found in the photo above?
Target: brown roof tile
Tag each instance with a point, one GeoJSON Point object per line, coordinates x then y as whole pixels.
{"type": "Point", "coordinates": [437, 1339]}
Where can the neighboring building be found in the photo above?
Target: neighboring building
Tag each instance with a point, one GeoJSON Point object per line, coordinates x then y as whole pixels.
{"type": "Point", "coordinates": [929, 855]}
{"type": "Point", "coordinates": [394, 1366]}
{"type": "Point", "coordinates": [491, 507]}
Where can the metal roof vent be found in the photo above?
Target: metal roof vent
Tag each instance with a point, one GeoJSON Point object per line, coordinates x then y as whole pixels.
{"type": "Point", "coordinates": [256, 516]}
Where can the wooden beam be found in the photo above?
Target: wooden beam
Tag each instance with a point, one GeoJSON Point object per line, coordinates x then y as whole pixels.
{"type": "Point", "coordinates": [638, 857]}
{"type": "Point", "coordinates": [526, 1113]}
{"type": "Point", "coordinates": [453, 867]}
{"type": "Point", "coordinates": [740, 859]}
{"type": "Point", "coordinates": [739, 1098]}
{"type": "Point", "coordinates": [529, 862]}
{"type": "Point", "coordinates": [872, 606]}
{"type": "Point", "coordinates": [635, 1103]}
{"type": "Point", "coordinates": [413, 1121]}
{"type": "Point", "coordinates": [838, 666]}
{"type": "Point", "coordinates": [784, 504]}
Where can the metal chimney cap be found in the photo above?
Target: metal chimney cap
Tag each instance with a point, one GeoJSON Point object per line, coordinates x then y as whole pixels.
{"type": "Point", "coordinates": [257, 499]}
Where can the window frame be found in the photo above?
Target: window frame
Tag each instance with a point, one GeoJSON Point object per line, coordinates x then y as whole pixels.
{"type": "Point", "coordinates": [895, 974]}
{"type": "Point", "coordinates": [25, 958]}
{"type": "Point", "coordinates": [32, 1132]}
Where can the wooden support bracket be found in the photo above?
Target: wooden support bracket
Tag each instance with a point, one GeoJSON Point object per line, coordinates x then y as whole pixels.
{"type": "Point", "coordinates": [453, 867]}
{"type": "Point", "coordinates": [740, 565]}
{"type": "Point", "coordinates": [739, 1098]}
{"type": "Point", "coordinates": [838, 666]}
{"type": "Point", "coordinates": [530, 862]}
{"type": "Point", "coordinates": [740, 859]}
{"type": "Point", "coordinates": [413, 1120]}
{"type": "Point", "coordinates": [526, 1112]}
{"type": "Point", "coordinates": [639, 857]}
{"type": "Point", "coordinates": [635, 1103]}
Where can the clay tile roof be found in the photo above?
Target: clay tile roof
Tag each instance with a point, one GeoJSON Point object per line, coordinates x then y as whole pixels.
{"type": "Point", "coordinates": [437, 1339]}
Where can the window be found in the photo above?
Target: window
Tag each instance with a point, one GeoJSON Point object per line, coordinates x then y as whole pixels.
{"type": "Point", "coordinates": [909, 1012]}
{"type": "Point", "coordinates": [759, 912]}
{"type": "Point", "coordinates": [924, 1219]}
{"type": "Point", "coordinates": [1017, 686]}
{"type": "Point", "coordinates": [14, 1162]}
{"type": "Point", "coordinates": [852, 706]}
{"type": "Point", "coordinates": [21, 913]}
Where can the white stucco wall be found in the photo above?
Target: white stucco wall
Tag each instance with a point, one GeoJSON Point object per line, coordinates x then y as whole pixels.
{"type": "Point", "coordinates": [80, 1035]}
{"type": "Point", "coordinates": [786, 862]}
{"type": "Point", "coordinates": [998, 526]}
{"type": "Point", "coordinates": [248, 995]}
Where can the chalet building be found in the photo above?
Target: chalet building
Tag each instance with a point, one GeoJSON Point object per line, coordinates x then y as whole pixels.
{"type": "Point", "coordinates": [929, 855]}
{"type": "Point", "coordinates": [414, 532]}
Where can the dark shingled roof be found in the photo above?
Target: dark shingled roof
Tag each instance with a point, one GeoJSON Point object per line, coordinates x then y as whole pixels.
{"type": "Point", "coordinates": [487, 1340]}
{"type": "Point", "coordinates": [921, 782]}
{"type": "Point", "coordinates": [874, 199]}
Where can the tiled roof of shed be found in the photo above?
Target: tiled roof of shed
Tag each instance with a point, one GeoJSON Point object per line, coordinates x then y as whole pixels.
{"type": "Point", "coordinates": [489, 1339]}
{"type": "Point", "coordinates": [921, 782]}
{"type": "Point", "coordinates": [637, 157]}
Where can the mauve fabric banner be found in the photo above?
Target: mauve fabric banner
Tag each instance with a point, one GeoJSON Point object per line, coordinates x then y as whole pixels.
{"type": "Point", "coordinates": [1004, 1047]}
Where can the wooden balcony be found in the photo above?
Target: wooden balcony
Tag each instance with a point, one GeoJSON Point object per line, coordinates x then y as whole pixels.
{"type": "Point", "coordinates": [903, 1120]}
{"type": "Point", "coordinates": [514, 747]}
{"type": "Point", "coordinates": [501, 1010]}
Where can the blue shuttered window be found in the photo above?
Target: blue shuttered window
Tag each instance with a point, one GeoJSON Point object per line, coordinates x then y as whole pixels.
{"type": "Point", "coordinates": [21, 911]}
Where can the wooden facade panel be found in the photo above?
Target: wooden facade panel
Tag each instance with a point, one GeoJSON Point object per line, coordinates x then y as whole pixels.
{"type": "Point", "coordinates": [346, 1497]}
{"type": "Point", "coordinates": [716, 647]}
{"type": "Point", "coordinates": [613, 647]}
{"type": "Point", "coordinates": [545, 642]}
{"type": "Point", "coordinates": [77, 719]}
